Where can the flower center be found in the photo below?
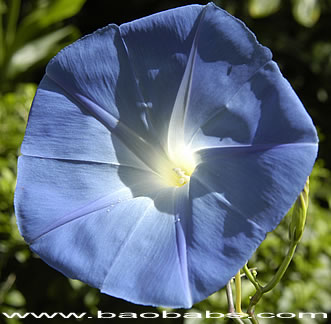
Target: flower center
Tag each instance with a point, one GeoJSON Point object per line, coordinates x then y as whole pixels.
{"type": "Point", "coordinates": [182, 177]}
{"type": "Point", "coordinates": [178, 170]}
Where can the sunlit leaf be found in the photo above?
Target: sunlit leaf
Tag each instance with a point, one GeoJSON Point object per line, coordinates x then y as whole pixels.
{"type": "Point", "coordinates": [263, 8]}
{"type": "Point", "coordinates": [37, 50]}
{"type": "Point", "coordinates": [52, 12]}
{"type": "Point", "coordinates": [43, 16]}
{"type": "Point", "coordinates": [15, 298]}
{"type": "Point", "coordinates": [306, 12]}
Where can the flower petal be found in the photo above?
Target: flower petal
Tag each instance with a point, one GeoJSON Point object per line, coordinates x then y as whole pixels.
{"type": "Point", "coordinates": [159, 69]}
{"type": "Point", "coordinates": [129, 252]}
{"type": "Point", "coordinates": [95, 155]}
{"type": "Point", "coordinates": [148, 268]}
{"type": "Point", "coordinates": [251, 188]}
{"type": "Point", "coordinates": [96, 72]}
{"type": "Point", "coordinates": [262, 182]}
{"type": "Point", "coordinates": [233, 236]}
{"type": "Point", "coordinates": [265, 110]}
{"type": "Point", "coordinates": [59, 128]}
{"type": "Point", "coordinates": [107, 234]}
{"type": "Point", "coordinates": [227, 54]}
{"type": "Point", "coordinates": [91, 84]}
{"type": "Point", "coordinates": [209, 56]}
{"type": "Point", "coordinates": [85, 248]}
{"type": "Point", "coordinates": [65, 190]}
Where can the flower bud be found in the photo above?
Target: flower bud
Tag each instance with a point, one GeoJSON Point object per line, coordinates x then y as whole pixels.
{"type": "Point", "coordinates": [298, 213]}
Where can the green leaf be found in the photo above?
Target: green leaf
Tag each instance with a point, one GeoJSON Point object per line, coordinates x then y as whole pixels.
{"type": "Point", "coordinates": [306, 12]}
{"type": "Point", "coordinates": [15, 298]}
{"type": "Point", "coordinates": [37, 50]}
{"type": "Point", "coordinates": [263, 8]}
{"type": "Point", "coordinates": [47, 14]}
{"type": "Point", "coordinates": [3, 10]}
{"type": "Point", "coordinates": [12, 17]}
{"type": "Point", "coordinates": [53, 12]}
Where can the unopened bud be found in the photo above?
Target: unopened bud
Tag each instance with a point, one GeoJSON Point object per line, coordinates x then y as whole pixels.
{"type": "Point", "coordinates": [298, 213]}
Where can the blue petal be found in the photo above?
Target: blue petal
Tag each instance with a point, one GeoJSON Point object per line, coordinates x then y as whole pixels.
{"type": "Point", "coordinates": [261, 181]}
{"type": "Point", "coordinates": [265, 110]}
{"type": "Point", "coordinates": [238, 195]}
{"type": "Point", "coordinates": [86, 247]}
{"type": "Point", "coordinates": [231, 234]}
{"type": "Point", "coordinates": [224, 55]}
{"type": "Point", "coordinates": [208, 57]}
{"type": "Point", "coordinates": [151, 267]}
{"type": "Point", "coordinates": [122, 239]}
{"type": "Point", "coordinates": [88, 197]}
{"type": "Point", "coordinates": [88, 106]}
{"type": "Point", "coordinates": [96, 72]}
{"type": "Point", "coordinates": [158, 47]}
{"type": "Point", "coordinates": [51, 193]}
{"type": "Point", "coordinates": [58, 127]}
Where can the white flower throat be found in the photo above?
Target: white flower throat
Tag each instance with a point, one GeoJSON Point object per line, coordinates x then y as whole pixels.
{"type": "Point", "coordinates": [176, 163]}
{"type": "Point", "coordinates": [180, 167]}
{"type": "Point", "coordinates": [179, 152]}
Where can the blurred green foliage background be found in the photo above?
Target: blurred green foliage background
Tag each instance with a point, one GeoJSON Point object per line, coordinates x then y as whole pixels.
{"type": "Point", "coordinates": [297, 32]}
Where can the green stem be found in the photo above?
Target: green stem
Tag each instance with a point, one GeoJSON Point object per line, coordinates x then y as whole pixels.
{"type": "Point", "coordinates": [298, 215]}
{"type": "Point", "coordinates": [277, 277]}
{"type": "Point", "coordinates": [251, 278]}
{"type": "Point", "coordinates": [257, 286]}
{"type": "Point", "coordinates": [254, 300]}
{"type": "Point", "coordinates": [253, 319]}
{"type": "Point", "coordinates": [231, 309]}
{"type": "Point", "coordinates": [238, 292]}
{"type": "Point", "coordinates": [282, 269]}
{"type": "Point", "coordinates": [238, 320]}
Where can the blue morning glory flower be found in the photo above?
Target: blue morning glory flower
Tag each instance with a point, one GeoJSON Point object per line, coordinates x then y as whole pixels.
{"type": "Point", "coordinates": [158, 154]}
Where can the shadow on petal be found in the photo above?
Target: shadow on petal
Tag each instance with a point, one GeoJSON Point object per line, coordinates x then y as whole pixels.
{"type": "Point", "coordinates": [156, 90]}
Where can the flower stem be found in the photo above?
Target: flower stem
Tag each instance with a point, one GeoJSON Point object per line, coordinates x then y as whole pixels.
{"type": "Point", "coordinates": [229, 297]}
{"type": "Point", "coordinates": [282, 269]}
{"type": "Point", "coordinates": [253, 319]}
{"type": "Point", "coordinates": [238, 292]}
{"type": "Point", "coordinates": [251, 278]}
{"type": "Point", "coordinates": [298, 215]}
{"type": "Point", "coordinates": [261, 290]}
{"type": "Point", "coordinates": [231, 308]}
